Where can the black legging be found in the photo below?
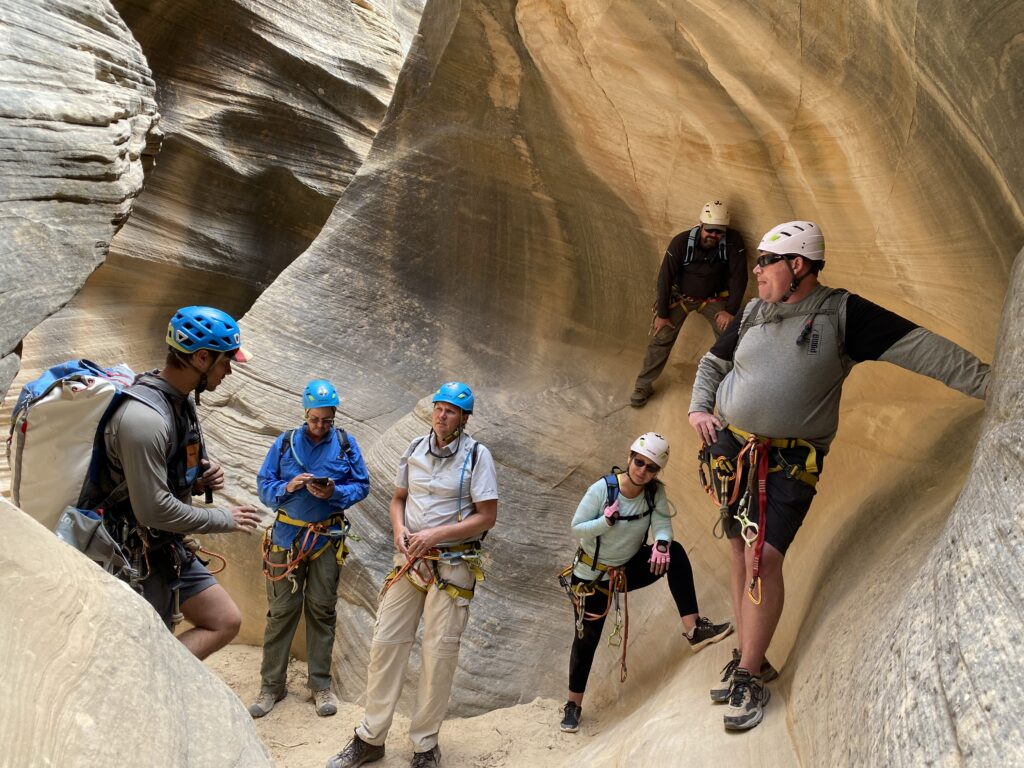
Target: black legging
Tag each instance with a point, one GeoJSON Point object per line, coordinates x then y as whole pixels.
{"type": "Point", "coordinates": [638, 575]}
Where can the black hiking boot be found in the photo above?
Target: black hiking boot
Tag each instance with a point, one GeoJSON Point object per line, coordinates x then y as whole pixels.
{"type": "Point", "coordinates": [705, 633]}
{"type": "Point", "coordinates": [571, 720]}
{"type": "Point", "coordinates": [429, 759]}
{"type": "Point", "coordinates": [356, 753]}
{"type": "Point", "coordinates": [746, 701]}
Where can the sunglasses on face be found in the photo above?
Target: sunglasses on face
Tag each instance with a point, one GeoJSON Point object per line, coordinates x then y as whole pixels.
{"type": "Point", "coordinates": [768, 259]}
{"type": "Point", "coordinates": [315, 420]}
{"type": "Point", "coordinates": [711, 231]}
{"type": "Point", "coordinates": [641, 464]}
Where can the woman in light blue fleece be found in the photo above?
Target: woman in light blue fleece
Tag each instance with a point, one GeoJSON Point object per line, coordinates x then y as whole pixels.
{"type": "Point", "coordinates": [612, 522]}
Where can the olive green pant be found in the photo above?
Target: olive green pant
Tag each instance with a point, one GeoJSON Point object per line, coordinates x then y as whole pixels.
{"type": "Point", "coordinates": [660, 345]}
{"type": "Point", "coordinates": [313, 586]}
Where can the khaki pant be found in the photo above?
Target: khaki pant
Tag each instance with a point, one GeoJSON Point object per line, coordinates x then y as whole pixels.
{"type": "Point", "coordinates": [444, 619]}
{"type": "Point", "coordinates": [660, 345]}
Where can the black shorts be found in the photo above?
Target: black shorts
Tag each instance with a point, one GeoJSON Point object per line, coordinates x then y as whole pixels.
{"type": "Point", "coordinates": [788, 498]}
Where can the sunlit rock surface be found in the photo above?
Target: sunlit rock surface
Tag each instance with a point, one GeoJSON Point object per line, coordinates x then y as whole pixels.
{"type": "Point", "coordinates": [505, 229]}
{"type": "Point", "coordinates": [268, 110]}
{"type": "Point", "coordinates": [78, 122]}
{"type": "Point", "coordinates": [93, 676]}
{"type": "Point", "coordinates": [508, 234]}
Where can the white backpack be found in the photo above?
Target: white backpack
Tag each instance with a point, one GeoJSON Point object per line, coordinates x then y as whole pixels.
{"type": "Point", "coordinates": [53, 433]}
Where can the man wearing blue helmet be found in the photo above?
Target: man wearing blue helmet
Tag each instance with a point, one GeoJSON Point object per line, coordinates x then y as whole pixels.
{"type": "Point", "coordinates": [310, 477]}
{"type": "Point", "coordinates": [156, 461]}
{"type": "Point", "coordinates": [445, 501]}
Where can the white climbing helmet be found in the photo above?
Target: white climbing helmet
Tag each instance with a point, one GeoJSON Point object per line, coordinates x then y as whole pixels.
{"type": "Point", "coordinates": [653, 446]}
{"type": "Point", "coordinates": [715, 213]}
{"type": "Point", "coordinates": [796, 238]}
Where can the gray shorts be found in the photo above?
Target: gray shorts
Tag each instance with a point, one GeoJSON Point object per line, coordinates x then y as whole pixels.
{"type": "Point", "coordinates": [159, 588]}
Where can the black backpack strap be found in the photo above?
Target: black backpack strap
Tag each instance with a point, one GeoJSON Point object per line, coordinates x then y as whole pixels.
{"type": "Point", "coordinates": [344, 445]}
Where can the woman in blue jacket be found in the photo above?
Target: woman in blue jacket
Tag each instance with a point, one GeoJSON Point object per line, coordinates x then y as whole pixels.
{"type": "Point", "coordinates": [311, 475]}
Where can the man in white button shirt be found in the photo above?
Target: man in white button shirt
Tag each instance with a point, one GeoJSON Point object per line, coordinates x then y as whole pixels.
{"type": "Point", "coordinates": [446, 499]}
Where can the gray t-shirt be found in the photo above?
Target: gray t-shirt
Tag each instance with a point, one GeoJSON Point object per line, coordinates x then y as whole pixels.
{"type": "Point", "coordinates": [138, 446]}
{"type": "Point", "coordinates": [769, 384]}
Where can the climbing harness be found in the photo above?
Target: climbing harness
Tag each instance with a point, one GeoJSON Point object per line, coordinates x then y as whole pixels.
{"type": "Point", "coordinates": [468, 552]}
{"type": "Point", "coordinates": [304, 546]}
{"type": "Point", "coordinates": [719, 474]}
{"type": "Point", "coordinates": [579, 591]}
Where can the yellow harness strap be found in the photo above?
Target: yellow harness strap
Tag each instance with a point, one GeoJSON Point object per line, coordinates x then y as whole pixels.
{"type": "Point", "coordinates": [809, 473]}
{"type": "Point", "coordinates": [472, 555]}
{"type": "Point", "coordinates": [588, 561]}
{"type": "Point", "coordinates": [682, 301]}
{"type": "Point", "coordinates": [341, 552]}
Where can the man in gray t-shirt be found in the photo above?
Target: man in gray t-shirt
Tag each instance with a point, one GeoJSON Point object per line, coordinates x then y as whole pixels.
{"type": "Point", "coordinates": [445, 501]}
{"type": "Point", "coordinates": [791, 348]}
{"type": "Point", "coordinates": [155, 463]}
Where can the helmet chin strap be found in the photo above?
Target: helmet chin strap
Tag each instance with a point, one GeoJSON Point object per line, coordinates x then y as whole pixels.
{"type": "Point", "coordinates": [794, 283]}
{"type": "Point", "coordinates": [201, 385]}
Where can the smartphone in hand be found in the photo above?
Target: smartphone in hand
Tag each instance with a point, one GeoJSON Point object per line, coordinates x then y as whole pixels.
{"type": "Point", "coordinates": [320, 480]}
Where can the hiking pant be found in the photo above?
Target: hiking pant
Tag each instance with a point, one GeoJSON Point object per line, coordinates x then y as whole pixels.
{"type": "Point", "coordinates": [660, 345]}
{"type": "Point", "coordinates": [398, 616]}
{"type": "Point", "coordinates": [316, 592]}
{"type": "Point", "coordinates": [638, 576]}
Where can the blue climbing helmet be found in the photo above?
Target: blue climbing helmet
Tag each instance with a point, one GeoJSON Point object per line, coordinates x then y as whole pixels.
{"type": "Point", "coordinates": [319, 393]}
{"type": "Point", "coordinates": [456, 393]}
{"type": "Point", "coordinates": [195, 328]}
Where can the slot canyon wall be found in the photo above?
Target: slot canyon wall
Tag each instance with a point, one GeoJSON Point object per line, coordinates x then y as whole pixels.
{"type": "Point", "coordinates": [496, 213]}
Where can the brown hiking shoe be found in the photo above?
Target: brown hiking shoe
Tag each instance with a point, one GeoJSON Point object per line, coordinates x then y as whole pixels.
{"type": "Point", "coordinates": [265, 702]}
{"type": "Point", "coordinates": [326, 702]}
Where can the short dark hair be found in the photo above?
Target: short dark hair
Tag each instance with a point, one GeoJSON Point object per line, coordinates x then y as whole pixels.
{"type": "Point", "coordinates": [814, 266]}
{"type": "Point", "coordinates": [176, 358]}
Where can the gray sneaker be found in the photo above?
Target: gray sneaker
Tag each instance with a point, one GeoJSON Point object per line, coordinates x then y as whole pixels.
{"type": "Point", "coordinates": [356, 753]}
{"type": "Point", "coordinates": [265, 703]}
{"type": "Point", "coordinates": [705, 633]}
{"type": "Point", "coordinates": [429, 759]}
{"type": "Point", "coordinates": [326, 702]}
{"type": "Point", "coordinates": [639, 398]}
{"type": "Point", "coordinates": [720, 693]}
{"type": "Point", "coordinates": [746, 701]}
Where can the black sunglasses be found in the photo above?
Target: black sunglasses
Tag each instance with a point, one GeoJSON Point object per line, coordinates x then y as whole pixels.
{"type": "Point", "coordinates": [769, 259]}
{"type": "Point", "coordinates": [641, 464]}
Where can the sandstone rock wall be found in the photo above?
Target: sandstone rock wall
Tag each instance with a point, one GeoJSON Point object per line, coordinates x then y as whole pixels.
{"type": "Point", "coordinates": [268, 110]}
{"type": "Point", "coordinates": [505, 228]}
{"type": "Point", "coordinates": [94, 678]}
{"type": "Point", "coordinates": [78, 123]}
